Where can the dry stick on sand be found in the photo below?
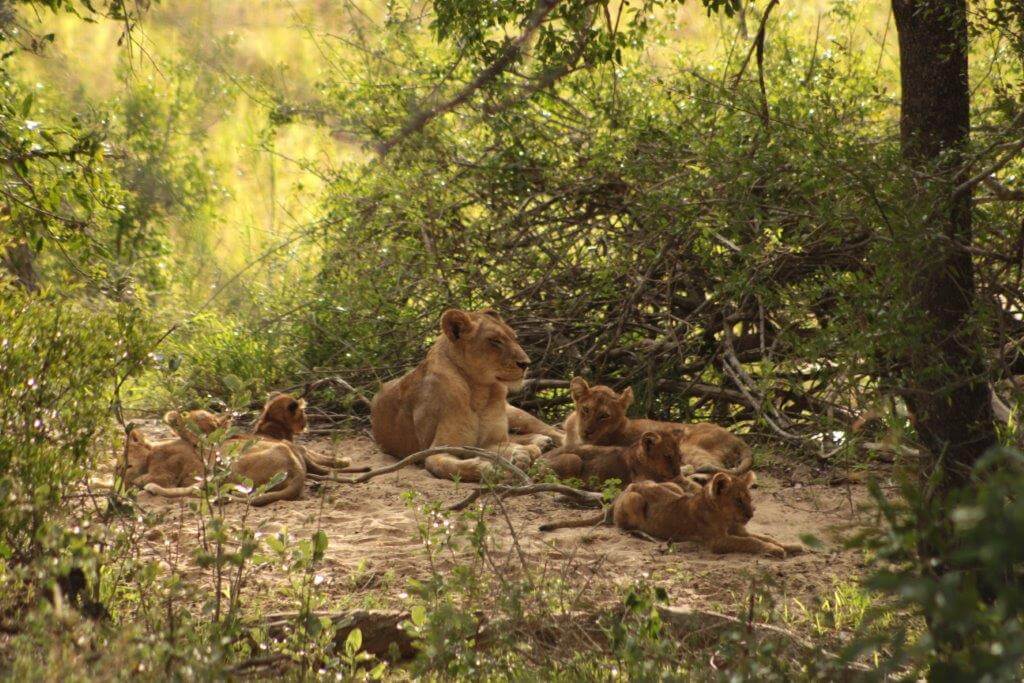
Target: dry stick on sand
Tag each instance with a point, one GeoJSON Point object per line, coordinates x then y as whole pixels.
{"type": "Point", "coordinates": [527, 488]}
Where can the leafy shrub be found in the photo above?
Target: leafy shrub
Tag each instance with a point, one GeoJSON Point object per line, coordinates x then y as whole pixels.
{"type": "Point", "coordinates": [62, 361]}
{"type": "Point", "coordinates": [965, 593]}
{"type": "Point", "coordinates": [218, 356]}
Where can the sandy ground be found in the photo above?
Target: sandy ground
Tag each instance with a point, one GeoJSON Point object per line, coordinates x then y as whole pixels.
{"type": "Point", "coordinates": [374, 545]}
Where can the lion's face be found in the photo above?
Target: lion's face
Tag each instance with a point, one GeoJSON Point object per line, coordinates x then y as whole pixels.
{"type": "Point", "coordinates": [659, 456]}
{"type": "Point", "coordinates": [485, 348]}
{"type": "Point", "coordinates": [136, 457]}
{"type": "Point", "coordinates": [731, 496]}
{"type": "Point", "coordinates": [601, 411]}
{"type": "Point", "coordinates": [286, 411]}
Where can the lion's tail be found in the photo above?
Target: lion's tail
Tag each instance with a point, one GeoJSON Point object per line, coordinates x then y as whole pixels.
{"type": "Point", "coordinates": [744, 465]}
{"type": "Point", "coordinates": [171, 491]}
{"type": "Point", "coordinates": [604, 517]}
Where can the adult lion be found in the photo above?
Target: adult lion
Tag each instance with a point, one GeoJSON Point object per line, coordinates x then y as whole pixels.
{"type": "Point", "coordinates": [458, 397]}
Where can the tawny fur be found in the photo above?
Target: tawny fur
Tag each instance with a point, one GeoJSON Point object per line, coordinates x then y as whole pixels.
{"type": "Point", "coordinates": [170, 463]}
{"type": "Point", "coordinates": [279, 421]}
{"type": "Point", "coordinates": [600, 419]}
{"type": "Point", "coordinates": [261, 458]}
{"type": "Point", "coordinates": [192, 424]}
{"type": "Point", "coordinates": [458, 396]}
{"type": "Point", "coordinates": [714, 515]}
{"type": "Point", "coordinates": [654, 457]}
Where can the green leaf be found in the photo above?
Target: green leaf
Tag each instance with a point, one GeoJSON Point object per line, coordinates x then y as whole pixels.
{"type": "Point", "coordinates": [418, 615]}
{"type": "Point", "coordinates": [319, 545]}
{"type": "Point", "coordinates": [353, 642]}
{"type": "Point", "coordinates": [234, 383]}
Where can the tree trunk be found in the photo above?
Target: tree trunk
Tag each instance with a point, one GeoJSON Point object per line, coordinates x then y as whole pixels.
{"type": "Point", "coordinates": [944, 384]}
{"type": "Point", "coordinates": [19, 260]}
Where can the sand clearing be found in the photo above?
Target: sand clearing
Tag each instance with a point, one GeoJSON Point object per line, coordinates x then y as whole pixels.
{"type": "Point", "coordinates": [374, 544]}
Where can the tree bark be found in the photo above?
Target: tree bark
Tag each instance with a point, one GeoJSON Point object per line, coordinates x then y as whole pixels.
{"type": "Point", "coordinates": [944, 382]}
{"type": "Point", "coordinates": [19, 260]}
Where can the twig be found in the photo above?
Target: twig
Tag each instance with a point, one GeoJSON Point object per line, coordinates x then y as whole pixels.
{"type": "Point", "coordinates": [511, 52]}
{"type": "Point", "coordinates": [310, 387]}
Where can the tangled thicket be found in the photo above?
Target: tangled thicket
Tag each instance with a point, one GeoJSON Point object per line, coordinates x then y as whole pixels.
{"type": "Point", "coordinates": [657, 231]}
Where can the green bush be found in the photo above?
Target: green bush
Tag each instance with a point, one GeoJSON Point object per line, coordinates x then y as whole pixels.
{"type": "Point", "coordinates": [213, 356]}
{"type": "Point", "coordinates": [953, 562]}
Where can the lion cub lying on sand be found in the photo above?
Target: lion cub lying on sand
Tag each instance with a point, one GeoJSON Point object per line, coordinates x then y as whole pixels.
{"type": "Point", "coordinates": [716, 516]}
{"type": "Point", "coordinates": [654, 457]}
{"type": "Point", "coordinates": [458, 396]}
{"type": "Point", "coordinates": [170, 469]}
{"type": "Point", "coordinates": [169, 463]}
{"type": "Point", "coordinates": [600, 419]}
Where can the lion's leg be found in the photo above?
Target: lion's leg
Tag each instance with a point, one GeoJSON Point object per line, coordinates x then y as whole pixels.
{"type": "Point", "coordinates": [564, 465]}
{"type": "Point", "coordinates": [448, 466]}
{"type": "Point", "coordinates": [318, 463]}
{"type": "Point", "coordinates": [746, 544]}
{"type": "Point", "coordinates": [541, 441]}
{"type": "Point", "coordinates": [525, 425]}
{"type": "Point", "coordinates": [790, 548]}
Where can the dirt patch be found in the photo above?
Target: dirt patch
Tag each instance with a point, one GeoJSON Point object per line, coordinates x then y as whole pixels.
{"type": "Point", "coordinates": [374, 545]}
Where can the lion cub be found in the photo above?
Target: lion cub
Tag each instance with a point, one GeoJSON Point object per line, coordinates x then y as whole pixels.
{"type": "Point", "coordinates": [655, 457]}
{"type": "Point", "coordinates": [600, 419]}
{"type": "Point", "coordinates": [261, 457]}
{"type": "Point", "coordinates": [174, 462]}
{"type": "Point", "coordinates": [715, 516]}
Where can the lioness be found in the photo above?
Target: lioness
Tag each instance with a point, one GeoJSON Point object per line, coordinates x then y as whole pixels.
{"type": "Point", "coordinates": [716, 515]}
{"type": "Point", "coordinates": [600, 419]}
{"type": "Point", "coordinates": [655, 457]}
{"type": "Point", "coordinates": [458, 397]}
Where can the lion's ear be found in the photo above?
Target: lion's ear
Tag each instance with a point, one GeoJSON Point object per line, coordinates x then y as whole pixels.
{"type": "Point", "coordinates": [718, 484]}
{"type": "Point", "coordinates": [455, 324]}
{"type": "Point", "coordinates": [649, 440]}
{"type": "Point", "coordinates": [626, 398]}
{"type": "Point", "coordinates": [578, 388]}
{"type": "Point", "coordinates": [748, 478]}
{"type": "Point", "coordinates": [135, 436]}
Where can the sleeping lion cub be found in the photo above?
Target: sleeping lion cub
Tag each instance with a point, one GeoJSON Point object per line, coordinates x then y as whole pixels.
{"type": "Point", "coordinates": [655, 457]}
{"type": "Point", "coordinates": [600, 419]}
{"type": "Point", "coordinates": [715, 516]}
{"type": "Point", "coordinates": [172, 469]}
